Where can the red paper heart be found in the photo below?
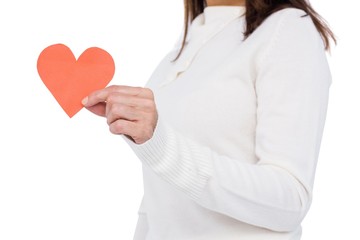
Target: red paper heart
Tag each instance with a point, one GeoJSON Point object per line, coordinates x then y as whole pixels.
{"type": "Point", "coordinates": [70, 80]}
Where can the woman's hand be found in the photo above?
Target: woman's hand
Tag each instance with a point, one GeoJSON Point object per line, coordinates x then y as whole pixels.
{"type": "Point", "coordinates": [129, 110]}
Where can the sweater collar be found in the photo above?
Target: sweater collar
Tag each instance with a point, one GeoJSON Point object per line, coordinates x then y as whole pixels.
{"type": "Point", "coordinates": [214, 17]}
{"type": "Point", "coordinates": [220, 14]}
{"type": "Point", "coordinates": [203, 28]}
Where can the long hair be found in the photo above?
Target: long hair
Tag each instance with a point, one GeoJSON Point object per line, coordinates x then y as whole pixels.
{"type": "Point", "coordinates": [256, 12]}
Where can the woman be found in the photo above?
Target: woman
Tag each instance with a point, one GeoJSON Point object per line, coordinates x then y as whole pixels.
{"type": "Point", "coordinates": [229, 145]}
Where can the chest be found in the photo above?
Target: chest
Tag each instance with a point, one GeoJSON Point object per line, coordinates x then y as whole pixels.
{"type": "Point", "coordinates": [213, 99]}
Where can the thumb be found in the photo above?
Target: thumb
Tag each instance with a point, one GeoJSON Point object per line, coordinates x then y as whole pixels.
{"type": "Point", "coordinates": [98, 109]}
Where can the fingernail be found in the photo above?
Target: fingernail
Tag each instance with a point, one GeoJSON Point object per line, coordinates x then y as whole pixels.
{"type": "Point", "coordinates": [84, 101]}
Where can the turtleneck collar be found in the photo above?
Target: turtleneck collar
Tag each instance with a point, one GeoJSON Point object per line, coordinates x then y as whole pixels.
{"type": "Point", "coordinates": [221, 14]}
{"type": "Point", "coordinates": [214, 17]}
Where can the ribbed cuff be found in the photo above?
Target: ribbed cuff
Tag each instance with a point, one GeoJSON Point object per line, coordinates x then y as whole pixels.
{"type": "Point", "coordinates": [176, 159]}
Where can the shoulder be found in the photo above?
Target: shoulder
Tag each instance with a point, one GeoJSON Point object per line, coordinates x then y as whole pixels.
{"type": "Point", "coordinates": [290, 21]}
{"type": "Point", "coordinates": [287, 13]}
{"type": "Point", "coordinates": [288, 28]}
{"type": "Point", "coordinates": [288, 38]}
{"type": "Point", "coordinates": [287, 31]}
{"type": "Point", "coordinates": [289, 24]}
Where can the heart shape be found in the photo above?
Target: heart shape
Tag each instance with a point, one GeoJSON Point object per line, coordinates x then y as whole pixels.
{"type": "Point", "coordinates": [70, 80]}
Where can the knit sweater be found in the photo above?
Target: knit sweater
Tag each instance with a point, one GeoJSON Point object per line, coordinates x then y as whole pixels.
{"type": "Point", "coordinates": [235, 148]}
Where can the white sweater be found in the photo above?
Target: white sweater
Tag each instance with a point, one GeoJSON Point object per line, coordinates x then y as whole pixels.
{"type": "Point", "coordinates": [240, 123]}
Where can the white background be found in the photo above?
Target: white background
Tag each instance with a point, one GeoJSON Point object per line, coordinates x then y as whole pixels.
{"type": "Point", "coordinates": [63, 178]}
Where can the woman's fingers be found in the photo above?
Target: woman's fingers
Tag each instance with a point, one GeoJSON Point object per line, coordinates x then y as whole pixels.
{"type": "Point", "coordinates": [131, 95]}
{"type": "Point", "coordinates": [96, 97]}
{"type": "Point", "coordinates": [99, 101]}
{"type": "Point", "coordinates": [138, 133]}
{"type": "Point", "coordinates": [133, 91]}
{"type": "Point", "coordinates": [98, 109]}
{"type": "Point", "coordinates": [116, 111]}
{"type": "Point", "coordinates": [129, 110]}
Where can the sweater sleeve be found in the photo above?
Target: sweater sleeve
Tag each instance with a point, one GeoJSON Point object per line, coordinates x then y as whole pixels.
{"type": "Point", "coordinates": [292, 88]}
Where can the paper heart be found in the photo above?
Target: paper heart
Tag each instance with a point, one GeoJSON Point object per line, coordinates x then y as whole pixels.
{"type": "Point", "coordinates": [70, 80]}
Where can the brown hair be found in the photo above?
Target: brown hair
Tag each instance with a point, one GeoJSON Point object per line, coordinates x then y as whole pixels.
{"type": "Point", "coordinates": [256, 12]}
